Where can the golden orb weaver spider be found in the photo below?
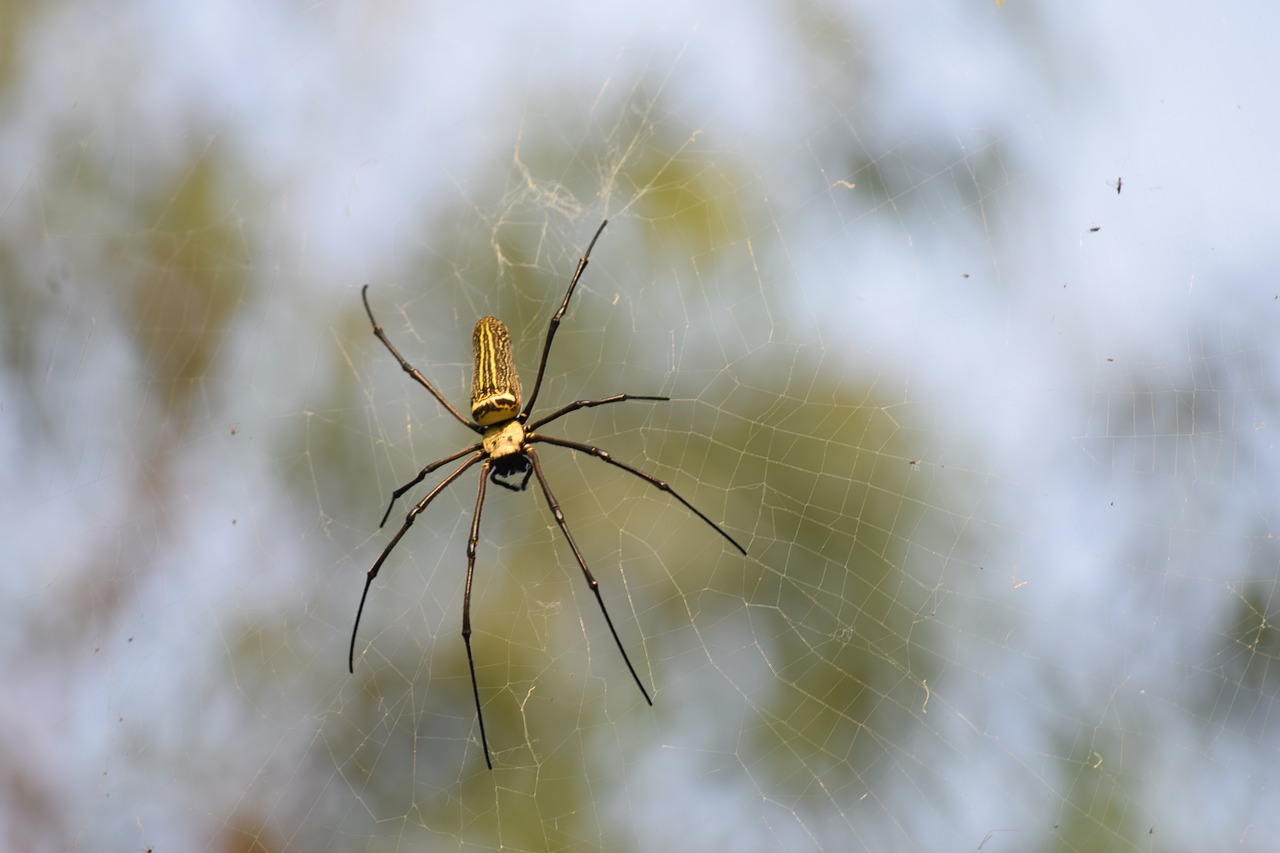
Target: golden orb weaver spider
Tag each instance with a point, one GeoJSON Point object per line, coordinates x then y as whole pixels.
{"type": "Point", "coordinates": [505, 451]}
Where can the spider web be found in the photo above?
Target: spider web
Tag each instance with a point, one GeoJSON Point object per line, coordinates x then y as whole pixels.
{"type": "Point", "coordinates": [966, 322]}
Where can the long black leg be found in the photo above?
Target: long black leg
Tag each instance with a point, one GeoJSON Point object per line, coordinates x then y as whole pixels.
{"type": "Point", "coordinates": [594, 584]}
{"type": "Point", "coordinates": [648, 478]}
{"type": "Point", "coordinates": [590, 404]}
{"type": "Point", "coordinates": [410, 369]}
{"type": "Point", "coordinates": [395, 496]}
{"type": "Point", "coordinates": [555, 322]}
{"type": "Point", "coordinates": [472, 542]}
{"type": "Point", "coordinates": [382, 558]}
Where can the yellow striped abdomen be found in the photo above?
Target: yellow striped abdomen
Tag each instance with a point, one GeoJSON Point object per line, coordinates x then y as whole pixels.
{"type": "Point", "coordinates": [495, 387]}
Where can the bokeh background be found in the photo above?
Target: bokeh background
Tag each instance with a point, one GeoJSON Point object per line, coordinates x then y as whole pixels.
{"type": "Point", "coordinates": [967, 312]}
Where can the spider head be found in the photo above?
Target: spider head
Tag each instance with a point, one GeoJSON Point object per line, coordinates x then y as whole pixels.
{"type": "Point", "coordinates": [502, 441]}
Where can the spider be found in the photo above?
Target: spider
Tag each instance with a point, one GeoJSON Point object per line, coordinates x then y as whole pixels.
{"type": "Point", "coordinates": [507, 458]}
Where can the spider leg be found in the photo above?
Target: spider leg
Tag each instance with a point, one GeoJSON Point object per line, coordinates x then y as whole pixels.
{"type": "Point", "coordinates": [410, 369]}
{"type": "Point", "coordinates": [395, 496]}
{"type": "Point", "coordinates": [648, 478]}
{"type": "Point", "coordinates": [594, 584]}
{"type": "Point", "coordinates": [555, 322]}
{"type": "Point", "coordinates": [472, 542]}
{"type": "Point", "coordinates": [590, 404]}
{"type": "Point", "coordinates": [382, 558]}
